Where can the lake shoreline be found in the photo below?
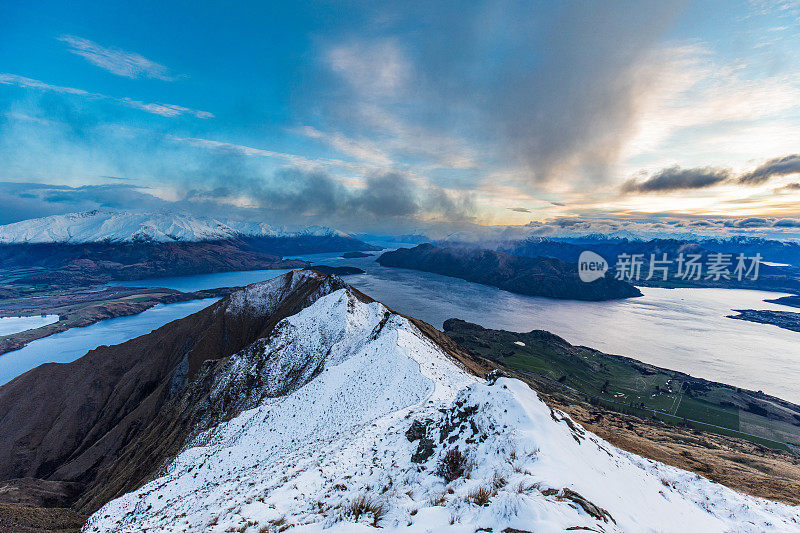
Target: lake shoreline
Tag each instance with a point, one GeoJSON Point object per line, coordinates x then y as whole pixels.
{"type": "Point", "coordinates": [105, 305]}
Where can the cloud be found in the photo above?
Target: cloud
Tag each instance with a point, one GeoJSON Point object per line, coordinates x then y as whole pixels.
{"type": "Point", "coordinates": [20, 201]}
{"type": "Point", "coordinates": [165, 110]}
{"type": "Point", "coordinates": [119, 62]}
{"type": "Point", "coordinates": [780, 166]}
{"type": "Point", "coordinates": [788, 188]}
{"type": "Point", "coordinates": [21, 81]}
{"type": "Point", "coordinates": [787, 223]}
{"type": "Point", "coordinates": [676, 178]}
{"type": "Point", "coordinates": [519, 209]}
{"type": "Point", "coordinates": [751, 222]}
{"type": "Point", "coordinates": [387, 199]}
{"type": "Point", "coordinates": [552, 90]}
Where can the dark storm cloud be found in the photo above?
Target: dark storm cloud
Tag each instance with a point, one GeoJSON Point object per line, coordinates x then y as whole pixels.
{"type": "Point", "coordinates": [780, 166]}
{"type": "Point", "coordinates": [676, 178]}
{"type": "Point", "coordinates": [546, 84]}
{"type": "Point", "coordinates": [300, 196]}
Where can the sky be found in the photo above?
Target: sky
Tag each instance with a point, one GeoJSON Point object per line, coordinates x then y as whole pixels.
{"type": "Point", "coordinates": [392, 117]}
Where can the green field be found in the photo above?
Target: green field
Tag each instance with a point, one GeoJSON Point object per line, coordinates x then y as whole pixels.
{"type": "Point", "coordinates": [632, 386]}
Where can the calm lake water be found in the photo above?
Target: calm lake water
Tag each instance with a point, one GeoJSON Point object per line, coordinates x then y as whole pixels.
{"type": "Point", "coordinates": [682, 329]}
{"type": "Point", "coordinates": [71, 344]}
{"type": "Point", "coordinates": [15, 324]}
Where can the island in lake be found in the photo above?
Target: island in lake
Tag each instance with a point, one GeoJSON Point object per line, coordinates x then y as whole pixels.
{"type": "Point", "coordinates": [336, 271]}
{"type": "Point", "coordinates": [355, 255]}
{"type": "Point", "coordinates": [532, 276]}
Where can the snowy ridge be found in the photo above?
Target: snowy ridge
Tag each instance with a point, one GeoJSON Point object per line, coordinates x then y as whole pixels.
{"type": "Point", "coordinates": [349, 402]}
{"type": "Point", "coordinates": [262, 299]}
{"type": "Point", "coordinates": [123, 226]}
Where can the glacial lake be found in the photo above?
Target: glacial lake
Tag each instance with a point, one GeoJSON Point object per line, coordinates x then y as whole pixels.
{"type": "Point", "coordinates": [681, 329]}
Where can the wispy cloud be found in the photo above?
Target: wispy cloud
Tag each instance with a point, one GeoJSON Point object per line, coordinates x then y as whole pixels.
{"type": "Point", "coordinates": [165, 110]}
{"type": "Point", "coordinates": [119, 62]}
{"type": "Point", "coordinates": [22, 81]}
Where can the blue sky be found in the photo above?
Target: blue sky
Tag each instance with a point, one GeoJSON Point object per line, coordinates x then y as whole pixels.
{"type": "Point", "coordinates": [388, 117]}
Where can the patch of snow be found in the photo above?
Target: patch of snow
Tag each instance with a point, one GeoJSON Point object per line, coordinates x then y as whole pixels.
{"type": "Point", "coordinates": [340, 384]}
{"type": "Point", "coordinates": [519, 343]}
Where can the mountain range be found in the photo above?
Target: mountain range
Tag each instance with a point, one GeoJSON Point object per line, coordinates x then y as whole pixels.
{"type": "Point", "coordinates": [84, 249]}
{"type": "Point", "coordinates": [125, 226]}
{"type": "Point", "coordinates": [302, 403]}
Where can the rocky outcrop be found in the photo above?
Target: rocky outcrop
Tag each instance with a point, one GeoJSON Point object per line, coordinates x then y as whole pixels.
{"type": "Point", "coordinates": [540, 276]}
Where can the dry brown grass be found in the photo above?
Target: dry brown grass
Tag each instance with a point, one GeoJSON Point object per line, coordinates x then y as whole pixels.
{"type": "Point", "coordinates": [363, 505]}
{"type": "Point", "coordinates": [452, 465]}
{"type": "Point", "coordinates": [480, 496]}
{"type": "Point", "coordinates": [15, 517]}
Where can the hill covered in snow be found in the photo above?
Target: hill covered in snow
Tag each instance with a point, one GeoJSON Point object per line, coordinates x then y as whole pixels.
{"type": "Point", "coordinates": [301, 404]}
{"type": "Point", "coordinates": [348, 417]}
{"type": "Point", "coordinates": [124, 226]}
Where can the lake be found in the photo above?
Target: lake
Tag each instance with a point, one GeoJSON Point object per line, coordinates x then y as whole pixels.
{"type": "Point", "coordinates": [15, 324]}
{"type": "Point", "coordinates": [681, 329]}
{"type": "Point", "coordinates": [69, 345]}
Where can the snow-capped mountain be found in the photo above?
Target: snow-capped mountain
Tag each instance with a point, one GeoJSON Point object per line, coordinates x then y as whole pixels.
{"type": "Point", "coordinates": [348, 416]}
{"type": "Point", "coordinates": [123, 226]}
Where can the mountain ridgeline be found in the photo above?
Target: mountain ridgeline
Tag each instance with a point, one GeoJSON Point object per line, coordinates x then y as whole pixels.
{"type": "Point", "coordinates": [302, 402]}
{"type": "Point", "coordinates": [532, 276]}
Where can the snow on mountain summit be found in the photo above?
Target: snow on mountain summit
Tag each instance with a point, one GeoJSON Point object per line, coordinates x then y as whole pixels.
{"type": "Point", "coordinates": [123, 226]}
{"type": "Point", "coordinates": [353, 418]}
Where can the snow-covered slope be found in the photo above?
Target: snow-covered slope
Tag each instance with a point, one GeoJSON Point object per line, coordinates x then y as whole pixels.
{"type": "Point", "coordinates": [350, 410]}
{"type": "Point", "coordinates": [121, 226]}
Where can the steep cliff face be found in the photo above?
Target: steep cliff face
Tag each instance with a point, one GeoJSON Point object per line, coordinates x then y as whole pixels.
{"type": "Point", "coordinates": [540, 276]}
{"type": "Point", "coordinates": [72, 421]}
